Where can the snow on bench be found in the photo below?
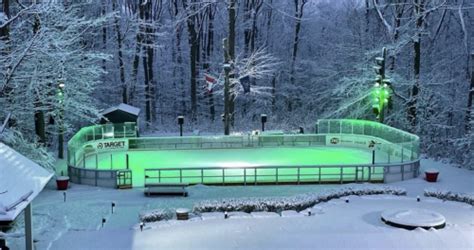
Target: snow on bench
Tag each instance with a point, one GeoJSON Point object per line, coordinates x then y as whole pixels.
{"type": "Point", "coordinates": [166, 189]}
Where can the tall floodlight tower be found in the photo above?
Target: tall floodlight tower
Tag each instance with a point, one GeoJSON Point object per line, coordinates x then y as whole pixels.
{"type": "Point", "coordinates": [61, 86]}
{"type": "Point", "coordinates": [382, 89]}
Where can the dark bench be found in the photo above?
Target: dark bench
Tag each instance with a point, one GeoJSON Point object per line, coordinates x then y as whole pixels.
{"type": "Point", "coordinates": [166, 189]}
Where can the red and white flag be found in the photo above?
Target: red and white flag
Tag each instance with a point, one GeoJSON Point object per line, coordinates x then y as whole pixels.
{"type": "Point", "coordinates": [210, 81]}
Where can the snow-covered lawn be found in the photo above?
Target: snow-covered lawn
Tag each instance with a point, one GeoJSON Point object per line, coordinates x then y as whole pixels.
{"type": "Point", "coordinates": [76, 223]}
{"type": "Point", "coordinates": [335, 224]}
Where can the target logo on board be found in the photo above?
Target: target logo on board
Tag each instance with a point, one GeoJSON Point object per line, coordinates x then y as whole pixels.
{"type": "Point", "coordinates": [100, 145]}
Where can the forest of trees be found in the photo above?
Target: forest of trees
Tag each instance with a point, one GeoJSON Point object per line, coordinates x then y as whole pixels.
{"type": "Point", "coordinates": [62, 61]}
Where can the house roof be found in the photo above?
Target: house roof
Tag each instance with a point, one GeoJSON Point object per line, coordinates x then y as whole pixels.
{"type": "Point", "coordinates": [123, 107]}
{"type": "Point", "coordinates": [21, 180]}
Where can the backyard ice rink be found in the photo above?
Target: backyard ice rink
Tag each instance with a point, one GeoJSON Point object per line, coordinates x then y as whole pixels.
{"type": "Point", "coordinates": [76, 223]}
{"type": "Point", "coordinates": [234, 160]}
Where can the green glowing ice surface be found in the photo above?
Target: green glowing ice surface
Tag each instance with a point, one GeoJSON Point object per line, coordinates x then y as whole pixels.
{"type": "Point", "coordinates": [236, 160]}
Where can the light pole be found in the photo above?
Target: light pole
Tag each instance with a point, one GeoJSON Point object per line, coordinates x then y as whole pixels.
{"type": "Point", "coordinates": [381, 91]}
{"type": "Point", "coordinates": [61, 87]}
{"type": "Point", "coordinates": [264, 120]}
{"type": "Point", "coordinates": [180, 122]}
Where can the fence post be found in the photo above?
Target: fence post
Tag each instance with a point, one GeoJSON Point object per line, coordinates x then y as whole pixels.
{"type": "Point", "coordinates": [341, 173]}
{"type": "Point", "coordinates": [276, 175]}
{"type": "Point", "coordinates": [385, 170]}
{"type": "Point", "coordinates": [127, 161]}
{"type": "Point", "coordinates": [403, 172]}
{"type": "Point", "coordinates": [180, 175]}
{"type": "Point", "coordinates": [255, 176]}
{"type": "Point", "coordinates": [223, 177]}
{"type": "Point", "coordinates": [356, 174]}
{"type": "Point", "coordinates": [370, 173]}
{"type": "Point", "coordinates": [96, 161]}
{"type": "Point", "coordinates": [402, 154]}
{"type": "Point", "coordinates": [111, 161]}
{"type": "Point", "coordinates": [245, 176]}
{"type": "Point", "coordinates": [298, 173]}
{"type": "Point", "coordinates": [202, 175]}
{"type": "Point", "coordinates": [319, 170]}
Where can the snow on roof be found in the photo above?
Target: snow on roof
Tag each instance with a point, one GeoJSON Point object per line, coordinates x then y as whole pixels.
{"type": "Point", "coordinates": [21, 180]}
{"type": "Point", "coordinates": [124, 107]}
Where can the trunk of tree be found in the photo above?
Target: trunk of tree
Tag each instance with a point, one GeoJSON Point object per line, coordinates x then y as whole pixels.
{"type": "Point", "coordinates": [399, 10]}
{"type": "Point", "coordinates": [367, 20]}
{"type": "Point", "coordinates": [231, 54]}
{"type": "Point", "coordinates": [193, 56]}
{"type": "Point", "coordinates": [136, 58]}
{"type": "Point", "coordinates": [274, 79]}
{"type": "Point", "coordinates": [39, 113]}
{"type": "Point", "coordinates": [104, 37]}
{"type": "Point", "coordinates": [412, 104]}
{"type": "Point", "coordinates": [120, 55]}
{"type": "Point", "coordinates": [269, 44]}
{"type": "Point", "coordinates": [148, 58]}
{"type": "Point", "coordinates": [227, 95]}
{"type": "Point", "coordinates": [470, 98]}
{"type": "Point", "coordinates": [299, 7]}
{"type": "Point", "coordinates": [208, 54]}
{"type": "Point", "coordinates": [269, 25]}
{"type": "Point", "coordinates": [252, 9]}
{"type": "Point", "coordinates": [247, 29]}
{"type": "Point", "coordinates": [180, 65]}
{"type": "Point", "coordinates": [5, 31]}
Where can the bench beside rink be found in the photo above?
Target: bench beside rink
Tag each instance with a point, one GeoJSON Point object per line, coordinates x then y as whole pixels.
{"type": "Point", "coordinates": [157, 189]}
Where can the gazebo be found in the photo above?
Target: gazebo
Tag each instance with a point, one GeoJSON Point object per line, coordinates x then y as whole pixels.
{"type": "Point", "coordinates": [21, 180]}
{"type": "Point", "coordinates": [120, 114]}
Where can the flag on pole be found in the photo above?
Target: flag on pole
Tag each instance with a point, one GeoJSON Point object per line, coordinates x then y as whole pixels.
{"type": "Point", "coordinates": [210, 81]}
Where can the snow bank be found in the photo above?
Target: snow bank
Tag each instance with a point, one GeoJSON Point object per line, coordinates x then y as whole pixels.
{"type": "Point", "coordinates": [298, 202]}
{"type": "Point", "coordinates": [450, 196]}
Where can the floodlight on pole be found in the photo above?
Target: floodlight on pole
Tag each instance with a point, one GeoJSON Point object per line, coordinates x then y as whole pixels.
{"type": "Point", "coordinates": [381, 91]}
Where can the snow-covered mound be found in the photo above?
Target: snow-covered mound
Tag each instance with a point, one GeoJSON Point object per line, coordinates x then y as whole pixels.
{"type": "Point", "coordinates": [298, 202]}
{"type": "Point", "coordinates": [413, 218]}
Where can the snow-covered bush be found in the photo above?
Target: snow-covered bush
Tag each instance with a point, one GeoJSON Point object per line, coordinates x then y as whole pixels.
{"type": "Point", "coordinates": [450, 196]}
{"type": "Point", "coordinates": [298, 202]}
{"type": "Point", "coordinates": [155, 215]}
{"type": "Point", "coordinates": [32, 150]}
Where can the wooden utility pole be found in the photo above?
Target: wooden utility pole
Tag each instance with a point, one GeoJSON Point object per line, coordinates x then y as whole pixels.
{"type": "Point", "coordinates": [227, 67]}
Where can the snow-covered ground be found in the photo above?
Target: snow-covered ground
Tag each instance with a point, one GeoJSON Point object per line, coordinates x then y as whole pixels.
{"type": "Point", "coordinates": [76, 223]}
